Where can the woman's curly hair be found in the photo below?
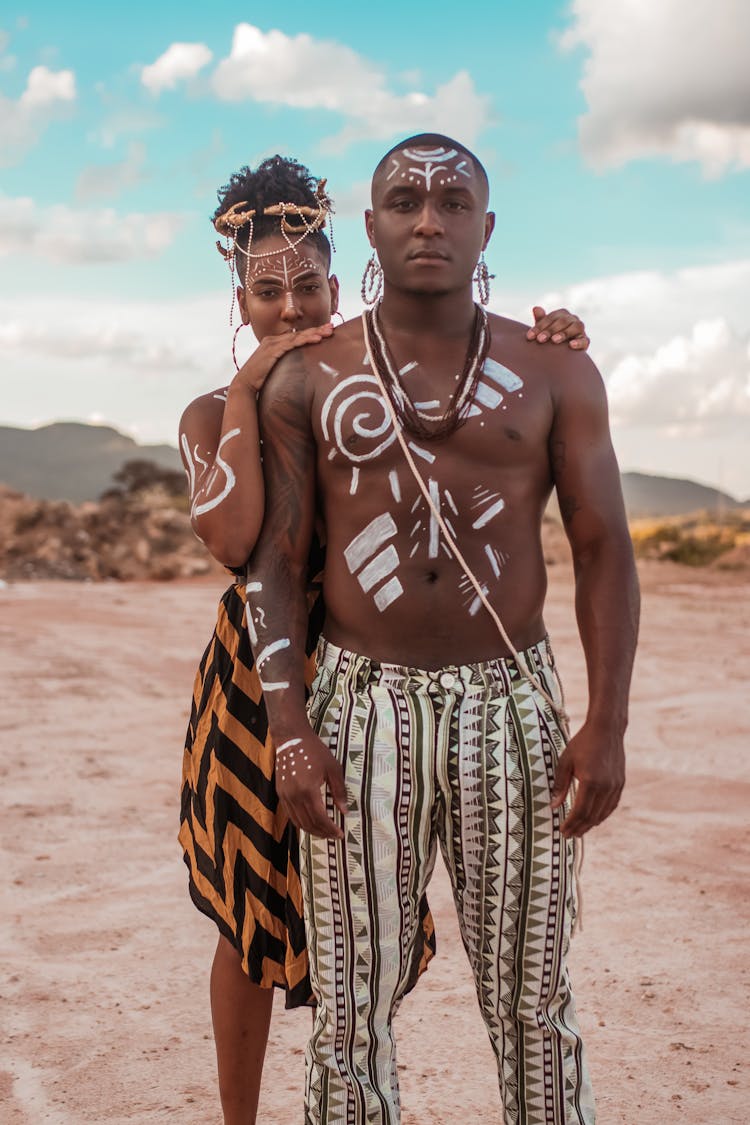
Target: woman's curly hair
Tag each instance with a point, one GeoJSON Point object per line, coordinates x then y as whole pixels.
{"type": "Point", "coordinates": [276, 180]}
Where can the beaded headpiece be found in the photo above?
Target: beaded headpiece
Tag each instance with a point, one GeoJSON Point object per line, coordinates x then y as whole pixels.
{"type": "Point", "coordinates": [297, 221]}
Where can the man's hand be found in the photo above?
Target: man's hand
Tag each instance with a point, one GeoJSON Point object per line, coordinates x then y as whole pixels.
{"type": "Point", "coordinates": [596, 759]}
{"type": "Point", "coordinates": [303, 766]}
{"type": "Point", "coordinates": [558, 326]}
{"type": "Point", "coordinates": [256, 369]}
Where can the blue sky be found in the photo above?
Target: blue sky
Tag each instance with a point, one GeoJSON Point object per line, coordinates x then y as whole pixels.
{"type": "Point", "coordinates": [617, 141]}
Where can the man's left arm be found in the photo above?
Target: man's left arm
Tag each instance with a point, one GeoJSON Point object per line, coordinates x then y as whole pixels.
{"type": "Point", "coordinates": [607, 598]}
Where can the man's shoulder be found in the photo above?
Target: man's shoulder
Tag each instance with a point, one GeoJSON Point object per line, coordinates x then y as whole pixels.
{"type": "Point", "coordinates": [504, 327]}
{"type": "Point", "coordinates": [560, 363]}
{"type": "Point", "coordinates": [339, 353]}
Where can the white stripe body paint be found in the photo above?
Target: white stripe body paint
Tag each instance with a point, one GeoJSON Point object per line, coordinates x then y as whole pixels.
{"type": "Point", "coordinates": [376, 570]}
{"type": "Point", "coordinates": [487, 396]}
{"type": "Point", "coordinates": [493, 561]}
{"type": "Point", "coordinates": [355, 481]}
{"type": "Point", "coordinates": [508, 380]}
{"type": "Point", "coordinates": [278, 685]}
{"type": "Point", "coordinates": [231, 480]}
{"type": "Point", "coordinates": [395, 485]}
{"type": "Point", "coordinates": [424, 453]}
{"type": "Point", "coordinates": [367, 542]}
{"type": "Point", "coordinates": [434, 543]}
{"type": "Point", "coordinates": [267, 652]}
{"type": "Point", "coordinates": [190, 464]}
{"type": "Point", "coordinates": [489, 514]}
{"type": "Point", "coordinates": [387, 594]}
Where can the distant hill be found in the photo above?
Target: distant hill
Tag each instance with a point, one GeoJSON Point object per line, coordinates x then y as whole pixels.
{"type": "Point", "coordinates": [74, 461]}
{"type": "Point", "coordinates": [647, 495]}
{"type": "Point", "coordinates": [71, 460]}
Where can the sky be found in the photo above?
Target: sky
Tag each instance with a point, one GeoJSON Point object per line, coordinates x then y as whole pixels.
{"type": "Point", "coordinates": [616, 135]}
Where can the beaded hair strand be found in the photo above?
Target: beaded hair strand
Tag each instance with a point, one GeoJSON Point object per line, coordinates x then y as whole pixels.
{"type": "Point", "coordinates": [295, 219]}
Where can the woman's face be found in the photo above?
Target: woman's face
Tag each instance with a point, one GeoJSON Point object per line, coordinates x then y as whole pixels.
{"type": "Point", "coordinates": [287, 289]}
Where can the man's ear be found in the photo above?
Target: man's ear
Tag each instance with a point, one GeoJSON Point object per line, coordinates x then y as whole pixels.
{"type": "Point", "coordinates": [489, 226]}
{"type": "Point", "coordinates": [333, 285]}
{"type": "Point", "coordinates": [243, 307]}
{"type": "Point", "coordinates": [370, 227]}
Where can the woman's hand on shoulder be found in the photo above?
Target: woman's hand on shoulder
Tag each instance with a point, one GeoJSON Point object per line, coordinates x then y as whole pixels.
{"type": "Point", "coordinates": [558, 327]}
{"type": "Point", "coordinates": [269, 351]}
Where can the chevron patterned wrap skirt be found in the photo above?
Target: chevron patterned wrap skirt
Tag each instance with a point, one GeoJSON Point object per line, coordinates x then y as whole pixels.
{"type": "Point", "coordinates": [465, 758]}
{"type": "Point", "coordinates": [241, 852]}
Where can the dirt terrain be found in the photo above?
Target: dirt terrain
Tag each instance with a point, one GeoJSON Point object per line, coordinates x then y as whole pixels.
{"type": "Point", "coordinates": [104, 1013]}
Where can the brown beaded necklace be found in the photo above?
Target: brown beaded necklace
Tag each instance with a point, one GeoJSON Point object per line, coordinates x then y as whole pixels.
{"type": "Point", "coordinates": [410, 418]}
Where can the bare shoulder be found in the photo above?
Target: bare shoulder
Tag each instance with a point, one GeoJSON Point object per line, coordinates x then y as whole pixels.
{"type": "Point", "coordinates": [567, 372]}
{"type": "Point", "coordinates": [205, 410]}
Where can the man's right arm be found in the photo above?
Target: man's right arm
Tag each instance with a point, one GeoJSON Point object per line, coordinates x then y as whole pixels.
{"type": "Point", "coordinates": [276, 598]}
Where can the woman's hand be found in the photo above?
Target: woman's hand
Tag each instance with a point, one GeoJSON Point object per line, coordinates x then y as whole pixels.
{"type": "Point", "coordinates": [269, 351]}
{"type": "Point", "coordinates": [558, 326]}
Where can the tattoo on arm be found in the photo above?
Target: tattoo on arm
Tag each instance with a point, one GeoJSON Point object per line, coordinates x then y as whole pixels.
{"type": "Point", "coordinates": [568, 507]}
{"type": "Point", "coordinates": [558, 456]}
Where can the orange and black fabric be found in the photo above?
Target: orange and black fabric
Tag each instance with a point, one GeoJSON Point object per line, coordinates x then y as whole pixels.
{"type": "Point", "coordinates": [241, 852]}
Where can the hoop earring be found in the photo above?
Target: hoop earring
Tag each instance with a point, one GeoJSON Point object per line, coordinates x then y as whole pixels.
{"type": "Point", "coordinates": [237, 331]}
{"type": "Point", "coordinates": [337, 313]}
{"type": "Point", "coordinates": [482, 276]}
{"type": "Point", "coordinates": [372, 281]}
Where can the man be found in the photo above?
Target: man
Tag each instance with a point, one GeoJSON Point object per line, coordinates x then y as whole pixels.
{"type": "Point", "coordinates": [427, 725]}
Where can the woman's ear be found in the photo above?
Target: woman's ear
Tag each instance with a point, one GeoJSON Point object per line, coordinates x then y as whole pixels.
{"type": "Point", "coordinates": [243, 307]}
{"type": "Point", "coordinates": [333, 285]}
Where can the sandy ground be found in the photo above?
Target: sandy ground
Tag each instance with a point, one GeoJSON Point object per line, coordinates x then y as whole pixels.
{"type": "Point", "coordinates": [104, 961]}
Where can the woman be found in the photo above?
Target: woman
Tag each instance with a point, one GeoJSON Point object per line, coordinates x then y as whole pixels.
{"type": "Point", "coordinates": [241, 853]}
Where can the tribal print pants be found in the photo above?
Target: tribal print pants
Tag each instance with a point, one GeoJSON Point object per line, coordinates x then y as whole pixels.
{"type": "Point", "coordinates": [465, 756]}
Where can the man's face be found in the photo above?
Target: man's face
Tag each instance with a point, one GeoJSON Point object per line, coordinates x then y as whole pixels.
{"type": "Point", "coordinates": [429, 220]}
{"type": "Point", "coordinates": [287, 289]}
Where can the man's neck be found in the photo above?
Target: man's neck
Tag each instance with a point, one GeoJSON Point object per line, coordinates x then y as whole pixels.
{"type": "Point", "coordinates": [439, 314]}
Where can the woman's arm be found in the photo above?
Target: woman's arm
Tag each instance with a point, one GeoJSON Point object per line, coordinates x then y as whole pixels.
{"type": "Point", "coordinates": [220, 449]}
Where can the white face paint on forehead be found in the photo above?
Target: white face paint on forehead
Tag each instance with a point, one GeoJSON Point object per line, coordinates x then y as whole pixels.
{"type": "Point", "coordinates": [285, 267]}
{"type": "Point", "coordinates": [415, 165]}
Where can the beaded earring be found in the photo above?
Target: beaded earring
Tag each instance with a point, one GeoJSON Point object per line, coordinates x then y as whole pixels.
{"type": "Point", "coordinates": [482, 276]}
{"type": "Point", "coordinates": [372, 281]}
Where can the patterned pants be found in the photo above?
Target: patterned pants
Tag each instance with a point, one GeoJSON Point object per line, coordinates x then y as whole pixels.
{"type": "Point", "coordinates": [466, 756]}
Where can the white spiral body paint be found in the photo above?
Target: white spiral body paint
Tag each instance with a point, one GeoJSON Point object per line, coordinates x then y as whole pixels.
{"type": "Point", "coordinates": [231, 480]}
{"type": "Point", "coordinates": [352, 394]}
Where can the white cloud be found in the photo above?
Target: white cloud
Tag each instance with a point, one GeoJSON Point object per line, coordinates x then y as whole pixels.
{"type": "Point", "coordinates": [307, 73]}
{"type": "Point", "coordinates": [65, 234]}
{"type": "Point", "coordinates": [45, 87]}
{"type": "Point", "coordinates": [694, 383]}
{"type": "Point", "coordinates": [23, 120]}
{"type": "Point", "coordinates": [664, 79]}
{"type": "Point", "coordinates": [180, 62]}
{"type": "Point", "coordinates": [106, 181]}
{"type": "Point", "coordinates": [673, 349]}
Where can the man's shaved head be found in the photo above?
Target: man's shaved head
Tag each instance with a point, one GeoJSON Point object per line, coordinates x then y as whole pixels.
{"type": "Point", "coordinates": [433, 150]}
